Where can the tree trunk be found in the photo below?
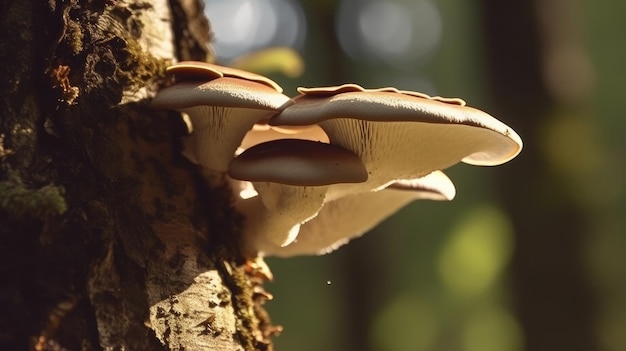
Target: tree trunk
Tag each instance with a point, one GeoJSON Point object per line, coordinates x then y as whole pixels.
{"type": "Point", "coordinates": [109, 238]}
{"type": "Point", "coordinates": [553, 295]}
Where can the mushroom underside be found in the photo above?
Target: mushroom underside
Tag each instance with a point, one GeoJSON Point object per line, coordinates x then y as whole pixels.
{"type": "Point", "coordinates": [217, 132]}
{"type": "Point", "coordinates": [351, 216]}
{"type": "Point", "coordinates": [407, 150]}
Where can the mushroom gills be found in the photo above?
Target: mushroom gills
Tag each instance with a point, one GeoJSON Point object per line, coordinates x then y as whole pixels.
{"type": "Point", "coordinates": [351, 216]}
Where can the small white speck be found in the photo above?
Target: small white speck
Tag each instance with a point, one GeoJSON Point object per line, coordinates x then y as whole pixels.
{"type": "Point", "coordinates": [328, 282]}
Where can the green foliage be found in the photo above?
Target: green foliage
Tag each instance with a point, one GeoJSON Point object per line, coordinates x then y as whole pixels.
{"type": "Point", "coordinates": [20, 201]}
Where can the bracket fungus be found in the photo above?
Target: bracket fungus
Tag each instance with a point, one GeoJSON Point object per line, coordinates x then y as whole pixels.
{"type": "Point", "coordinates": [400, 134]}
{"type": "Point", "coordinates": [222, 104]}
{"type": "Point", "coordinates": [291, 177]}
{"type": "Point", "coordinates": [316, 170]}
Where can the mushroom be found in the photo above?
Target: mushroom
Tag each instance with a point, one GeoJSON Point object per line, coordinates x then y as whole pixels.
{"type": "Point", "coordinates": [222, 104]}
{"type": "Point", "coordinates": [202, 71]}
{"type": "Point", "coordinates": [400, 134]}
{"type": "Point", "coordinates": [263, 132]}
{"type": "Point", "coordinates": [291, 177]}
{"type": "Point", "coordinates": [351, 216]}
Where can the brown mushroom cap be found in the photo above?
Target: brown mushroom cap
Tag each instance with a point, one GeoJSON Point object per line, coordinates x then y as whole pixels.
{"type": "Point", "coordinates": [198, 70]}
{"type": "Point", "coordinates": [298, 162]}
{"type": "Point", "coordinates": [291, 177]}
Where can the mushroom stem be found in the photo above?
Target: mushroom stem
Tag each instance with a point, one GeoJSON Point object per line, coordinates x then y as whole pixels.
{"type": "Point", "coordinates": [291, 177]}
{"type": "Point", "coordinates": [221, 104]}
{"type": "Point", "coordinates": [274, 217]}
{"type": "Point", "coordinates": [215, 136]}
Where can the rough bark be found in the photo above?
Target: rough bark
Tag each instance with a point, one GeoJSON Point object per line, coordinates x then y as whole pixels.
{"type": "Point", "coordinates": [109, 239]}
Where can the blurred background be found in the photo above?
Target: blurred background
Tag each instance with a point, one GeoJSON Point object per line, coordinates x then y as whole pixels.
{"type": "Point", "coordinates": [531, 255]}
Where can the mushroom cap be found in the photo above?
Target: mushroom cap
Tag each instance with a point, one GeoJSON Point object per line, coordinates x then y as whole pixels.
{"type": "Point", "coordinates": [261, 133]}
{"type": "Point", "coordinates": [284, 209]}
{"type": "Point", "coordinates": [198, 70]}
{"type": "Point", "coordinates": [348, 88]}
{"type": "Point", "coordinates": [298, 162]}
{"type": "Point", "coordinates": [435, 186]}
{"type": "Point", "coordinates": [291, 177]}
{"type": "Point", "coordinates": [220, 92]}
{"type": "Point", "coordinates": [348, 217]}
{"type": "Point", "coordinates": [350, 101]}
{"type": "Point", "coordinates": [221, 110]}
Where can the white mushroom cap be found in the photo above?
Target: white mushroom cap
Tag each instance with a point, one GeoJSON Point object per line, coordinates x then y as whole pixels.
{"type": "Point", "coordinates": [351, 216]}
{"type": "Point", "coordinates": [291, 177]}
{"type": "Point", "coordinates": [222, 107]}
{"type": "Point", "coordinates": [401, 134]}
{"type": "Point", "coordinates": [434, 186]}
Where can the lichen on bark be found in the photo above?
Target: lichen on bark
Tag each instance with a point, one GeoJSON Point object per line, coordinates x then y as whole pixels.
{"type": "Point", "coordinates": [19, 201]}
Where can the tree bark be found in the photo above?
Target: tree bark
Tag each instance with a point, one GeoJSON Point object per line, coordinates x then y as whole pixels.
{"type": "Point", "coordinates": [109, 238]}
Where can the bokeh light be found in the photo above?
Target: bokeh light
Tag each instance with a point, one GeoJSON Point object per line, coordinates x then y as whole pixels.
{"type": "Point", "coordinates": [243, 26]}
{"type": "Point", "coordinates": [492, 329]}
{"type": "Point", "coordinates": [408, 322]}
{"type": "Point", "coordinates": [477, 252]}
{"type": "Point", "coordinates": [395, 32]}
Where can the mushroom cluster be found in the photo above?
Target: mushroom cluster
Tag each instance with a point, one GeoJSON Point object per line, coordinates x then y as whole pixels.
{"type": "Point", "coordinates": [314, 171]}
